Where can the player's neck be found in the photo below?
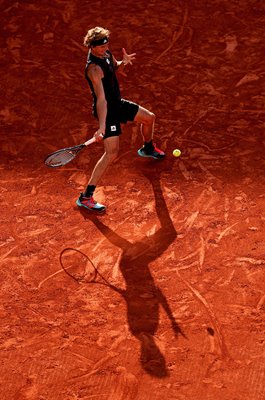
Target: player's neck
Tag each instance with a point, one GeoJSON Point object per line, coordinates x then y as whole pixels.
{"type": "Point", "coordinates": [98, 55]}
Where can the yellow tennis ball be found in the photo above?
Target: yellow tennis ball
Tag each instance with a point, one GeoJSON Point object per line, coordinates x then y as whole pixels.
{"type": "Point", "coordinates": [176, 153]}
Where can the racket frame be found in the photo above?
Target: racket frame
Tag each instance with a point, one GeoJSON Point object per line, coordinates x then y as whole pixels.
{"type": "Point", "coordinates": [68, 149]}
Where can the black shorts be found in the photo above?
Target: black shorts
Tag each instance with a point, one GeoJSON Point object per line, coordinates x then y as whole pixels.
{"type": "Point", "coordinates": [124, 112]}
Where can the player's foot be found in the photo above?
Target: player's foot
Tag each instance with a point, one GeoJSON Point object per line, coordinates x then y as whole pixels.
{"type": "Point", "coordinates": [90, 204]}
{"type": "Point", "coordinates": [154, 153]}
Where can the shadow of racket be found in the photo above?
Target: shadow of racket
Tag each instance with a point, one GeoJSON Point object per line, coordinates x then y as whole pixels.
{"type": "Point", "coordinates": [78, 266]}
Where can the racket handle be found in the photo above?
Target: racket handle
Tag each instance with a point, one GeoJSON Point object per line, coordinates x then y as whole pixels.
{"type": "Point", "coordinates": [92, 140]}
{"type": "Point", "coordinates": [88, 142]}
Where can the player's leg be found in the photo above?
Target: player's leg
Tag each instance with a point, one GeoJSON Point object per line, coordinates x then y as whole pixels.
{"type": "Point", "coordinates": [111, 146]}
{"type": "Point", "coordinates": [147, 120]}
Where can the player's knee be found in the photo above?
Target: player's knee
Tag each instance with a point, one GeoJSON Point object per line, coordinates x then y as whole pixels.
{"type": "Point", "coordinates": [115, 155]}
{"type": "Point", "coordinates": [112, 155]}
{"type": "Point", "coordinates": [150, 120]}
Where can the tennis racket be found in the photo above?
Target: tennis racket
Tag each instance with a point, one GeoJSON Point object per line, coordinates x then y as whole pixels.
{"type": "Point", "coordinates": [63, 156]}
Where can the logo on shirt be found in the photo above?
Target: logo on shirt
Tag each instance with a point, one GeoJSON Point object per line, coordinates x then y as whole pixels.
{"type": "Point", "coordinates": [113, 128]}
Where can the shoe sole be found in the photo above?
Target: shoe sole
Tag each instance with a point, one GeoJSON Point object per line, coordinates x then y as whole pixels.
{"type": "Point", "coordinates": [150, 156]}
{"type": "Point", "coordinates": [92, 210]}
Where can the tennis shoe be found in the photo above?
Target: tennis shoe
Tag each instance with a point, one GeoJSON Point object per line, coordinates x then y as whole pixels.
{"type": "Point", "coordinates": [154, 153]}
{"type": "Point", "coordinates": [90, 204]}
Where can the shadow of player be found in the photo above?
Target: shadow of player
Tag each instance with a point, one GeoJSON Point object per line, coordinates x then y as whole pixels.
{"type": "Point", "coordinates": [143, 297]}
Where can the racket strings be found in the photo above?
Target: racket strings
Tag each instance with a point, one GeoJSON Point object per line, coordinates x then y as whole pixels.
{"type": "Point", "coordinates": [61, 158]}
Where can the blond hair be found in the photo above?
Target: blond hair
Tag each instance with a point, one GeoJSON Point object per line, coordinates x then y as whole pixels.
{"type": "Point", "coordinates": [96, 33]}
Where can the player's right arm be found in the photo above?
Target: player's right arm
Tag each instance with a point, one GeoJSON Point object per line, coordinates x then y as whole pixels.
{"type": "Point", "coordinates": [95, 74]}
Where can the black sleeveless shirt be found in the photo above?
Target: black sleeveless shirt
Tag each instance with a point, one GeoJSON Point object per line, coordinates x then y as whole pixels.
{"type": "Point", "coordinates": [109, 81]}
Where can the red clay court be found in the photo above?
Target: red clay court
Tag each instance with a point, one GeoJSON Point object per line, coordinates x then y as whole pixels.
{"type": "Point", "coordinates": [179, 314]}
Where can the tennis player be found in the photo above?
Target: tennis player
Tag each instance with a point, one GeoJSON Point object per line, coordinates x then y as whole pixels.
{"type": "Point", "coordinates": [111, 110]}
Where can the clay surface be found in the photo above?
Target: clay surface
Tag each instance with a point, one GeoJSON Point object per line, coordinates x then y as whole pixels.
{"type": "Point", "coordinates": [179, 314]}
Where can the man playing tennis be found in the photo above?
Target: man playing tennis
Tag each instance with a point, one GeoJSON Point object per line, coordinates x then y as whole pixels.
{"type": "Point", "coordinates": [111, 110]}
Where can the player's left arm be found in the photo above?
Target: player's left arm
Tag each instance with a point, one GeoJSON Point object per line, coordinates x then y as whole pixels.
{"type": "Point", "coordinates": [126, 59]}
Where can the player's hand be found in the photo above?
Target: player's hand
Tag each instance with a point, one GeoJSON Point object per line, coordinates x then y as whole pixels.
{"type": "Point", "coordinates": [98, 135]}
{"type": "Point", "coordinates": [127, 58]}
